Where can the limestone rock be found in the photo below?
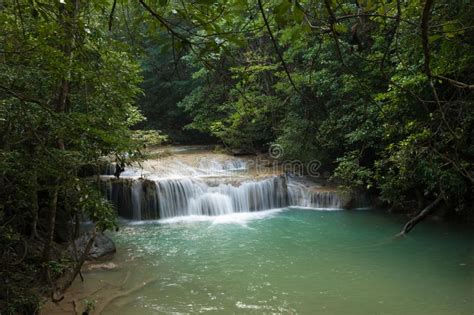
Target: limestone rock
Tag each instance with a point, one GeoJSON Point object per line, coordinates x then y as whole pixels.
{"type": "Point", "coordinates": [102, 247]}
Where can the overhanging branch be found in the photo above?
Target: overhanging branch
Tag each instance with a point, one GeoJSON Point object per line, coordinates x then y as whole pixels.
{"type": "Point", "coordinates": [277, 50]}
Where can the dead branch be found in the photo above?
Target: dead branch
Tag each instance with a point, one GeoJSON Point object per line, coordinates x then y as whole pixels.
{"type": "Point", "coordinates": [420, 216]}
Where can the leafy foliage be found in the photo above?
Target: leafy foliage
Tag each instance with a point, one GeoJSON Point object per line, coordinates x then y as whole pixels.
{"type": "Point", "coordinates": [380, 99]}
{"type": "Point", "coordinates": [67, 98]}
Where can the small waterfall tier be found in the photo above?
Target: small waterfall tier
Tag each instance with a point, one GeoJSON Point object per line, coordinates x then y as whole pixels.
{"type": "Point", "coordinates": [142, 199]}
{"type": "Point", "coordinates": [208, 187]}
{"type": "Point", "coordinates": [217, 167]}
{"type": "Point", "coordinates": [300, 195]}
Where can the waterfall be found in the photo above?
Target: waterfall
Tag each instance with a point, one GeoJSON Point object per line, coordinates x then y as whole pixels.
{"type": "Point", "coordinates": [175, 194]}
{"type": "Point", "coordinates": [211, 203]}
{"type": "Point", "coordinates": [179, 197]}
{"type": "Point", "coordinates": [110, 169]}
{"type": "Point", "coordinates": [212, 166]}
{"type": "Point", "coordinates": [211, 187]}
{"type": "Point", "coordinates": [303, 196]}
{"type": "Point", "coordinates": [137, 200]}
{"type": "Point", "coordinates": [140, 199]}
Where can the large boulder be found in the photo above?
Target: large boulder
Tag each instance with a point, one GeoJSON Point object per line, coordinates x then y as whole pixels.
{"type": "Point", "coordinates": [102, 248]}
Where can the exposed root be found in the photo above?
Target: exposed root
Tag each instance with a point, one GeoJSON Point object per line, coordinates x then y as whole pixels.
{"type": "Point", "coordinates": [56, 299]}
{"type": "Point", "coordinates": [74, 305]}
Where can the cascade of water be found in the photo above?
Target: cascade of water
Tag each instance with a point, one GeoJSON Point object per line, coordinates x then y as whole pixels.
{"type": "Point", "coordinates": [181, 190]}
{"type": "Point", "coordinates": [236, 165]}
{"type": "Point", "coordinates": [133, 198]}
{"type": "Point", "coordinates": [177, 169]}
{"type": "Point", "coordinates": [140, 199]}
{"type": "Point", "coordinates": [179, 197]}
{"type": "Point", "coordinates": [110, 169]}
{"type": "Point", "coordinates": [302, 196]}
{"type": "Point", "coordinates": [120, 196]}
{"type": "Point", "coordinates": [106, 188]}
{"type": "Point", "coordinates": [216, 167]}
{"type": "Point", "coordinates": [137, 197]}
{"type": "Point", "coordinates": [211, 203]}
{"type": "Point", "coordinates": [175, 194]}
{"type": "Point", "coordinates": [255, 195]}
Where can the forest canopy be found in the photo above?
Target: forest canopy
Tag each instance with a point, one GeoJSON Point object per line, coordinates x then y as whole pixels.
{"type": "Point", "coordinates": [380, 92]}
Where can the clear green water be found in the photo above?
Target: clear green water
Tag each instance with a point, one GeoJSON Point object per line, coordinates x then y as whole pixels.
{"type": "Point", "coordinates": [293, 262]}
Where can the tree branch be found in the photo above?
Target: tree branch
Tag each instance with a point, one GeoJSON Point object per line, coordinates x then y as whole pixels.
{"type": "Point", "coordinates": [420, 216]}
{"type": "Point", "coordinates": [277, 50]}
{"type": "Point", "coordinates": [365, 88]}
{"type": "Point", "coordinates": [424, 36]}
{"type": "Point", "coordinates": [396, 17]}
{"type": "Point", "coordinates": [425, 19]}
{"type": "Point", "coordinates": [457, 84]}
{"type": "Point", "coordinates": [111, 16]}
{"type": "Point", "coordinates": [20, 96]}
{"type": "Point", "coordinates": [164, 22]}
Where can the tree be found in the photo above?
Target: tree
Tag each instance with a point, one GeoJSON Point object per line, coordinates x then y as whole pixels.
{"type": "Point", "coordinates": [67, 97]}
{"type": "Point", "coordinates": [379, 92]}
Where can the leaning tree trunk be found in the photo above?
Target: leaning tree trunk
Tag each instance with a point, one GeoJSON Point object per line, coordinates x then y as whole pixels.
{"type": "Point", "coordinates": [420, 216]}
{"type": "Point", "coordinates": [67, 16]}
{"type": "Point", "coordinates": [77, 268]}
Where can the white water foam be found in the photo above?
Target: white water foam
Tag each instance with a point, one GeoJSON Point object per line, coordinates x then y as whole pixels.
{"type": "Point", "coordinates": [241, 218]}
{"type": "Point", "coordinates": [176, 189]}
{"type": "Point", "coordinates": [315, 209]}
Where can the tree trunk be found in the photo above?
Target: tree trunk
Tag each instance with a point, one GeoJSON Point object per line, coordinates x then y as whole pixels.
{"type": "Point", "coordinates": [53, 203]}
{"type": "Point", "coordinates": [34, 206]}
{"type": "Point", "coordinates": [77, 225]}
{"type": "Point", "coordinates": [420, 216]}
{"type": "Point", "coordinates": [79, 263]}
{"type": "Point", "coordinates": [67, 16]}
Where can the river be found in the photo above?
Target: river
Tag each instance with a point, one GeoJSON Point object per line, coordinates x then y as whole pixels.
{"type": "Point", "coordinates": [226, 243]}
{"type": "Point", "coordinates": [289, 261]}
